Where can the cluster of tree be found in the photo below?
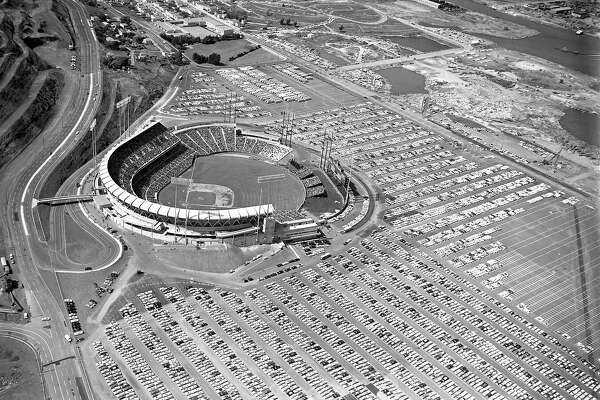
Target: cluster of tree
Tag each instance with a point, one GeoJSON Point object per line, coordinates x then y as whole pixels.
{"type": "Point", "coordinates": [235, 12]}
{"type": "Point", "coordinates": [101, 33]}
{"type": "Point", "coordinates": [183, 40]}
{"type": "Point", "coordinates": [176, 58]}
{"type": "Point", "coordinates": [213, 58]}
{"type": "Point", "coordinates": [116, 62]}
{"type": "Point", "coordinates": [243, 53]}
{"type": "Point", "coordinates": [287, 21]}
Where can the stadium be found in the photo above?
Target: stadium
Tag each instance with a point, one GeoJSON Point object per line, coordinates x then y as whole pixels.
{"type": "Point", "coordinates": [200, 181]}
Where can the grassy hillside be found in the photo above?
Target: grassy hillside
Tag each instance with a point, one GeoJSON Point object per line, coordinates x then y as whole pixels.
{"type": "Point", "coordinates": [33, 120]}
{"type": "Point", "coordinates": [29, 88]}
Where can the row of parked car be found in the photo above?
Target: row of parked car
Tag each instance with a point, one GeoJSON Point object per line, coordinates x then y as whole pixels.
{"type": "Point", "coordinates": [506, 320]}
{"type": "Point", "coordinates": [136, 363]}
{"type": "Point", "coordinates": [112, 374]}
{"type": "Point", "coordinates": [264, 87]}
{"type": "Point", "coordinates": [415, 212]}
{"type": "Point", "coordinates": [395, 313]}
{"type": "Point", "coordinates": [206, 96]}
{"type": "Point", "coordinates": [332, 366]}
{"type": "Point", "coordinates": [480, 209]}
{"type": "Point", "coordinates": [282, 345]}
{"type": "Point", "coordinates": [275, 370]}
{"type": "Point", "coordinates": [73, 318]}
{"type": "Point", "coordinates": [467, 325]}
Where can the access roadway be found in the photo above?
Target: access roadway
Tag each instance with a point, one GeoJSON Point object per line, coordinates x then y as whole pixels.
{"type": "Point", "coordinates": [107, 248]}
{"type": "Point", "coordinates": [21, 181]}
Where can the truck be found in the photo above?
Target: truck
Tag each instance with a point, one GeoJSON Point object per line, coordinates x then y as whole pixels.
{"type": "Point", "coordinates": [5, 266]}
{"type": "Point", "coordinates": [68, 338]}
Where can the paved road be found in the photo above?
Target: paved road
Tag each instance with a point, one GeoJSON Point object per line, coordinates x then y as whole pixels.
{"type": "Point", "coordinates": [399, 60]}
{"type": "Point", "coordinates": [21, 180]}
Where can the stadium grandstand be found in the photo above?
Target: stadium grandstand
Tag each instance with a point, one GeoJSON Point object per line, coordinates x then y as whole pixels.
{"type": "Point", "coordinates": [136, 169]}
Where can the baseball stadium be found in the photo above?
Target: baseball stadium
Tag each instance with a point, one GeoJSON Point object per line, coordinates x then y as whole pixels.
{"type": "Point", "coordinates": [199, 181]}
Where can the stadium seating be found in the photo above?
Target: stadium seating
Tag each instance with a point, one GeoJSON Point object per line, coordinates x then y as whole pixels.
{"type": "Point", "coordinates": [288, 215]}
{"type": "Point", "coordinates": [230, 139]}
{"type": "Point", "coordinates": [145, 164]}
{"type": "Point", "coordinates": [217, 135]}
{"type": "Point", "coordinates": [312, 181]}
{"type": "Point", "coordinates": [315, 191]}
{"type": "Point", "coordinates": [250, 144]}
{"type": "Point", "coordinates": [139, 152]}
{"type": "Point", "coordinates": [240, 144]}
{"type": "Point", "coordinates": [149, 181]}
{"type": "Point", "coordinates": [217, 139]}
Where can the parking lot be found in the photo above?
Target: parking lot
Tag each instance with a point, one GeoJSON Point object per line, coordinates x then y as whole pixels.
{"type": "Point", "coordinates": [457, 206]}
{"type": "Point", "coordinates": [205, 96]}
{"type": "Point", "coordinates": [476, 284]}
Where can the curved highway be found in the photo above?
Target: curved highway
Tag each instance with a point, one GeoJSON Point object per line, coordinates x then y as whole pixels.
{"type": "Point", "coordinates": [20, 181]}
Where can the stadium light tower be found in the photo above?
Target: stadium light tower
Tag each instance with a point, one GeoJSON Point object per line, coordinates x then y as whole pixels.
{"type": "Point", "coordinates": [283, 121]}
{"type": "Point", "coordinates": [290, 130]}
{"type": "Point", "coordinates": [259, 210]}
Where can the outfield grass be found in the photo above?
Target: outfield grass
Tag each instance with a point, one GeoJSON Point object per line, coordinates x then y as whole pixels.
{"type": "Point", "coordinates": [240, 175]}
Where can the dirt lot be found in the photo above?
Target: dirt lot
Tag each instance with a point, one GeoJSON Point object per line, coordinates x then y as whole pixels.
{"type": "Point", "coordinates": [351, 11]}
{"type": "Point", "coordinates": [19, 372]}
{"type": "Point", "coordinates": [511, 98]}
{"type": "Point", "coordinates": [467, 21]}
{"type": "Point", "coordinates": [262, 14]}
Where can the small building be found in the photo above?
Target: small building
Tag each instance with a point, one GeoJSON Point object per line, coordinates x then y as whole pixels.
{"type": "Point", "coordinates": [101, 202]}
{"type": "Point", "coordinates": [222, 29]}
{"type": "Point", "coordinates": [195, 22]}
{"type": "Point", "coordinates": [561, 10]}
{"type": "Point", "coordinates": [111, 41]}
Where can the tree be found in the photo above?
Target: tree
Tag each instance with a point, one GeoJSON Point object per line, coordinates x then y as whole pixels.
{"type": "Point", "coordinates": [282, 21]}
{"type": "Point", "coordinates": [214, 58]}
{"type": "Point", "coordinates": [288, 21]}
{"type": "Point", "coordinates": [125, 19]}
{"type": "Point", "coordinates": [199, 58]}
{"type": "Point", "coordinates": [176, 58]}
{"type": "Point", "coordinates": [296, 24]}
{"type": "Point", "coordinates": [341, 28]}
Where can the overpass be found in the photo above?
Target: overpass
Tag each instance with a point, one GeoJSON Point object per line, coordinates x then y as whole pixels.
{"type": "Point", "coordinates": [58, 200]}
{"type": "Point", "coordinates": [56, 362]}
{"type": "Point", "coordinates": [400, 60]}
